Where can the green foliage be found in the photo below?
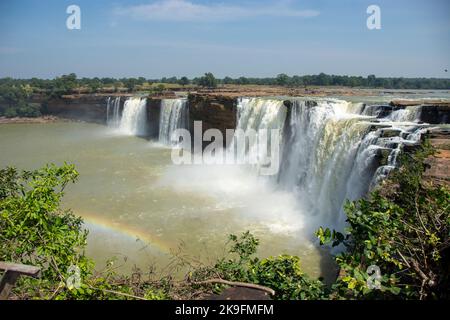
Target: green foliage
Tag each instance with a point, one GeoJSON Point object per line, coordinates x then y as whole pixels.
{"type": "Point", "coordinates": [323, 79]}
{"type": "Point", "coordinates": [15, 93]}
{"type": "Point", "coordinates": [208, 80]}
{"type": "Point", "coordinates": [13, 101]}
{"type": "Point", "coordinates": [403, 228]}
{"type": "Point", "coordinates": [183, 81]}
{"type": "Point", "coordinates": [35, 231]}
{"type": "Point", "coordinates": [241, 251]}
{"type": "Point", "coordinates": [63, 85]}
{"type": "Point", "coordinates": [32, 228]}
{"type": "Point", "coordinates": [282, 79]}
{"type": "Point", "coordinates": [282, 273]}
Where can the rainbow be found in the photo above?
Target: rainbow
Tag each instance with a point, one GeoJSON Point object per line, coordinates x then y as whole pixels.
{"type": "Point", "coordinates": [126, 230]}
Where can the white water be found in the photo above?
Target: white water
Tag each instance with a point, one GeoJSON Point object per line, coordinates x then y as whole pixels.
{"type": "Point", "coordinates": [329, 151]}
{"type": "Point", "coordinates": [134, 117]}
{"type": "Point", "coordinates": [409, 114]}
{"type": "Point", "coordinates": [113, 112]}
{"type": "Point", "coordinates": [257, 114]}
{"type": "Point", "coordinates": [319, 157]}
{"type": "Point", "coordinates": [173, 115]}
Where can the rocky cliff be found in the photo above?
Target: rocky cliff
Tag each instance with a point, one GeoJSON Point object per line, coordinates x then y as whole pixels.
{"type": "Point", "coordinates": [91, 108]}
{"type": "Point", "coordinates": [153, 113]}
{"type": "Point", "coordinates": [215, 112]}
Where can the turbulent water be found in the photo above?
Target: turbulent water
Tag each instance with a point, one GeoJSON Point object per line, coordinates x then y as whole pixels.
{"type": "Point", "coordinates": [261, 116]}
{"type": "Point", "coordinates": [134, 117]}
{"type": "Point", "coordinates": [173, 115]}
{"type": "Point", "coordinates": [330, 150]}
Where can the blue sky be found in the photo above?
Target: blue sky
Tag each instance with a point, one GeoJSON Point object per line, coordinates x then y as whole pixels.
{"type": "Point", "coordinates": [156, 38]}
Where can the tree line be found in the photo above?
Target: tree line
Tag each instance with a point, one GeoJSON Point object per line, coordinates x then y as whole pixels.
{"type": "Point", "coordinates": [15, 93]}
{"type": "Point", "coordinates": [71, 81]}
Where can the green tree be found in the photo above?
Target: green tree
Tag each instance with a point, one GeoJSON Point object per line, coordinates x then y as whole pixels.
{"type": "Point", "coordinates": [33, 229]}
{"type": "Point", "coordinates": [183, 81]}
{"type": "Point", "coordinates": [282, 79]}
{"type": "Point", "coordinates": [64, 84]}
{"type": "Point", "coordinates": [208, 80]}
{"type": "Point", "coordinates": [228, 80]}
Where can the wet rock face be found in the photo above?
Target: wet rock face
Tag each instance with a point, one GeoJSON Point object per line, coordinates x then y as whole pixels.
{"type": "Point", "coordinates": [153, 114]}
{"type": "Point", "coordinates": [215, 112]}
{"type": "Point", "coordinates": [431, 111]}
{"type": "Point", "coordinates": [435, 114]}
{"type": "Point", "coordinates": [390, 132]}
{"type": "Point", "coordinates": [379, 111]}
{"type": "Point", "coordinates": [91, 108]}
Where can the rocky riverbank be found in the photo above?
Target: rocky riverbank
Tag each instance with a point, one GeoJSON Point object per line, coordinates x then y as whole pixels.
{"type": "Point", "coordinates": [44, 119]}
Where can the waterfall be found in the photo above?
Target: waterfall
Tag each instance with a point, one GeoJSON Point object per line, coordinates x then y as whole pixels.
{"type": "Point", "coordinates": [174, 115]}
{"type": "Point", "coordinates": [322, 155]}
{"type": "Point", "coordinates": [409, 114]}
{"type": "Point", "coordinates": [330, 149]}
{"type": "Point", "coordinates": [134, 117]}
{"type": "Point", "coordinates": [256, 114]}
{"type": "Point", "coordinates": [113, 112]}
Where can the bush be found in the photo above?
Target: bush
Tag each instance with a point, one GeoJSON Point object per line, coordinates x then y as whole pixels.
{"type": "Point", "coordinates": [33, 230]}
{"type": "Point", "coordinates": [282, 273]}
{"type": "Point", "coordinates": [10, 113]}
{"type": "Point", "coordinates": [208, 80]}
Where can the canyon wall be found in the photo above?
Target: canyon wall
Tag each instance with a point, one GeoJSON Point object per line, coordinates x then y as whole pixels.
{"type": "Point", "coordinates": [153, 113]}
{"type": "Point", "coordinates": [90, 108]}
{"type": "Point", "coordinates": [214, 111]}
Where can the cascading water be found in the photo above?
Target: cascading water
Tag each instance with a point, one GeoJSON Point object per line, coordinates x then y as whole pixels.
{"type": "Point", "coordinates": [113, 112]}
{"type": "Point", "coordinates": [174, 115]}
{"type": "Point", "coordinates": [331, 150]}
{"type": "Point", "coordinates": [257, 114]}
{"type": "Point", "coordinates": [320, 155]}
{"type": "Point", "coordinates": [409, 114]}
{"type": "Point", "coordinates": [134, 117]}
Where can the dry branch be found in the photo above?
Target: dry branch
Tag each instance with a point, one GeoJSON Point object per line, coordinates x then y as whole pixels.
{"type": "Point", "coordinates": [238, 284]}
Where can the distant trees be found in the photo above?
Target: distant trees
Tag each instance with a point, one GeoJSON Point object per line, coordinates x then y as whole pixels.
{"type": "Point", "coordinates": [14, 93]}
{"type": "Point", "coordinates": [208, 80]}
{"type": "Point", "coordinates": [243, 81]}
{"type": "Point", "coordinates": [64, 84]}
{"type": "Point", "coordinates": [95, 84]}
{"type": "Point", "coordinates": [13, 102]}
{"type": "Point", "coordinates": [227, 80]}
{"type": "Point", "coordinates": [183, 81]}
{"type": "Point", "coordinates": [282, 79]}
{"type": "Point", "coordinates": [130, 83]}
{"type": "Point", "coordinates": [171, 80]}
